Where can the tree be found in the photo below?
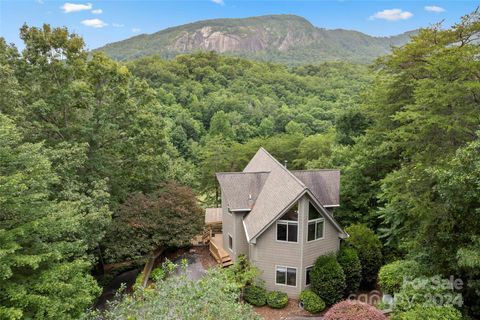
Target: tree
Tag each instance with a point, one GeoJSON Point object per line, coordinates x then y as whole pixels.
{"type": "Point", "coordinates": [369, 250]}
{"type": "Point", "coordinates": [214, 296]}
{"type": "Point", "coordinates": [44, 263]}
{"type": "Point", "coordinates": [350, 263]}
{"type": "Point", "coordinates": [328, 279]}
{"type": "Point", "coordinates": [168, 217]}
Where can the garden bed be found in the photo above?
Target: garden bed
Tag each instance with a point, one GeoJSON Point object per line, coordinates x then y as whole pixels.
{"type": "Point", "coordinates": [291, 311]}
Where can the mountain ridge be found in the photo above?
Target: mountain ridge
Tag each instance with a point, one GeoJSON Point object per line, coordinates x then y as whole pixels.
{"type": "Point", "coordinates": [286, 38]}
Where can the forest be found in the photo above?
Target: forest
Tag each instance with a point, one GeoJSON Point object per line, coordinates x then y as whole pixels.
{"type": "Point", "coordinates": [89, 144]}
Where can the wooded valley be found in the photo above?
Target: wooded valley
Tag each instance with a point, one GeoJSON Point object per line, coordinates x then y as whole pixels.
{"type": "Point", "coordinates": [103, 161]}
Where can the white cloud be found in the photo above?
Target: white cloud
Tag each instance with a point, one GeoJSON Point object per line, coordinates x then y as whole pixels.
{"type": "Point", "coordinates": [97, 11]}
{"type": "Point", "coordinates": [136, 30]}
{"type": "Point", "coordinates": [94, 23]}
{"type": "Point", "coordinates": [220, 2]}
{"type": "Point", "coordinates": [118, 25]}
{"type": "Point", "coordinates": [39, 1]}
{"type": "Point", "coordinates": [74, 7]}
{"type": "Point", "coordinates": [392, 15]}
{"type": "Point", "coordinates": [435, 9]}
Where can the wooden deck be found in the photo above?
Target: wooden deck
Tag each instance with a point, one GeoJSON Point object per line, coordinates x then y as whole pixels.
{"type": "Point", "coordinates": [218, 252]}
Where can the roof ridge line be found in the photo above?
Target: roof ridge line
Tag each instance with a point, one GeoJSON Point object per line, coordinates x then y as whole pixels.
{"type": "Point", "coordinates": [313, 170]}
{"type": "Point", "coordinates": [242, 172]}
{"type": "Point", "coordinates": [285, 169]}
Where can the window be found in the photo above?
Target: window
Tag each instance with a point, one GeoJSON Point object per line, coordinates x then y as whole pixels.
{"type": "Point", "coordinates": [286, 276]}
{"type": "Point", "coordinates": [316, 224]}
{"type": "Point", "coordinates": [307, 275]}
{"type": "Point", "coordinates": [287, 226]}
{"type": "Point", "coordinates": [230, 242]}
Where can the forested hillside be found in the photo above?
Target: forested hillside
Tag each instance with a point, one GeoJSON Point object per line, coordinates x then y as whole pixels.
{"type": "Point", "coordinates": [286, 39]}
{"type": "Point", "coordinates": [93, 151]}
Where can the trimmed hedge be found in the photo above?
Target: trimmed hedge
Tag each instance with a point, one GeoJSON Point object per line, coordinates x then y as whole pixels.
{"type": "Point", "coordinates": [255, 295]}
{"type": "Point", "coordinates": [392, 275]}
{"type": "Point", "coordinates": [354, 310]}
{"type": "Point", "coordinates": [277, 299]}
{"type": "Point", "coordinates": [311, 302]}
{"type": "Point", "coordinates": [369, 249]}
{"type": "Point", "coordinates": [350, 263]}
{"type": "Point", "coordinates": [328, 279]}
{"type": "Point", "coordinates": [430, 313]}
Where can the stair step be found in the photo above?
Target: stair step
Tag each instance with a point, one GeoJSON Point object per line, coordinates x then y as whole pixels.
{"type": "Point", "coordinates": [227, 264]}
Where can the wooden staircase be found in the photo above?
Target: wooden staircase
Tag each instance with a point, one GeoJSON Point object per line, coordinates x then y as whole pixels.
{"type": "Point", "coordinates": [216, 249]}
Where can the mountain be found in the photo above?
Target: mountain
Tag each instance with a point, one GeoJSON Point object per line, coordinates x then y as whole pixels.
{"type": "Point", "coordinates": [288, 39]}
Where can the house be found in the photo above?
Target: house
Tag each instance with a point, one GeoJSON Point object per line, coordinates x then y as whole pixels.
{"type": "Point", "coordinates": [280, 219]}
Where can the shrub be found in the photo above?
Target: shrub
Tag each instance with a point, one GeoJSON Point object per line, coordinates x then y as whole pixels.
{"type": "Point", "coordinates": [157, 274]}
{"type": "Point", "coordinates": [214, 296]}
{"type": "Point", "coordinates": [391, 275]}
{"type": "Point", "coordinates": [328, 279]}
{"type": "Point", "coordinates": [433, 291]}
{"type": "Point", "coordinates": [369, 251]}
{"type": "Point", "coordinates": [242, 272]}
{"type": "Point", "coordinates": [430, 313]}
{"type": "Point", "coordinates": [311, 302]}
{"type": "Point", "coordinates": [353, 310]}
{"type": "Point", "coordinates": [255, 295]}
{"type": "Point", "coordinates": [350, 263]}
{"type": "Point", "coordinates": [277, 299]}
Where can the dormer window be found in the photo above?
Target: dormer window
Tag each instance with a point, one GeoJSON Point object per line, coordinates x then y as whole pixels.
{"type": "Point", "coordinates": [316, 223]}
{"type": "Point", "coordinates": [287, 226]}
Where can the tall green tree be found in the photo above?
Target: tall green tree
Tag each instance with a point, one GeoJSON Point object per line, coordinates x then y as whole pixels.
{"type": "Point", "coordinates": [44, 262]}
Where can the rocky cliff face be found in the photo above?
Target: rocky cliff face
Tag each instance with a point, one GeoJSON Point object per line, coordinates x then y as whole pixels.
{"type": "Point", "coordinates": [279, 38]}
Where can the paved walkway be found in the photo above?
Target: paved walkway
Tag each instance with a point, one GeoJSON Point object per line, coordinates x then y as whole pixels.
{"type": "Point", "coordinates": [195, 268]}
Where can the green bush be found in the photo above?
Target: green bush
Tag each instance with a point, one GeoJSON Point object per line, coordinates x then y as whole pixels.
{"type": "Point", "coordinates": [430, 313]}
{"type": "Point", "coordinates": [433, 291]}
{"type": "Point", "coordinates": [350, 263]}
{"type": "Point", "coordinates": [311, 302]}
{"type": "Point", "coordinates": [369, 249]}
{"type": "Point", "coordinates": [255, 295]}
{"type": "Point", "coordinates": [328, 279]}
{"type": "Point", "coordinates": [277, 299]}
{"type": "Point", "coordinates": [392, 275]}
{"type": "Point", "coordinates": [157, 274]}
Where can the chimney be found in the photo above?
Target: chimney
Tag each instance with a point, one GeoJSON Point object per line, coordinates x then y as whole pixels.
{"type": "Point", "coordinates": [250, 201]}
{"type": "Point", "coordinates": [285, 163]}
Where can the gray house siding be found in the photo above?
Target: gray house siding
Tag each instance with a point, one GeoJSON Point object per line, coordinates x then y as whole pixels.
{"type": "Point", "coordinates": [228, 226]}
{"type": "Point", "coordinates": [241, 244]}
{"type": "Point", "coordinates": [268, 253]}
{"type": "Point", "coordinates": [313, 249]}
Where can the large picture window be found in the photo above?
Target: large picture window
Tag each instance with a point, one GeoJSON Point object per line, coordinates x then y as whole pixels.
{"type": "Point", "coordinates": [316, 224]}
{"type": "Point", "coordinates": [287, 226]}
{"type": "Point", "coordinates": [286, 276]}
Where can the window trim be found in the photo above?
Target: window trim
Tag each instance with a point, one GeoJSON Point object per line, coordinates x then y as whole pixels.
{"type": "Point", "coordinates": [285, 222]}
{"type": "Point", "coordinates": [230, 237]}
{"type": "Point", "coordinates": [321, 219]}
{"type": "Point", "coordinates": [286, 272]}
{"type": "Point", "coordinates": [316, 221]}
{"type": "Point", "coordinates": [306, 268]}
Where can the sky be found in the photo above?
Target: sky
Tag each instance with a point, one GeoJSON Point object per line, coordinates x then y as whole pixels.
{"type": "Point", "coordinates": [105, 21]}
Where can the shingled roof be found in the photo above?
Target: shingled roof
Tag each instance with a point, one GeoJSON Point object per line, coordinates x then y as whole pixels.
{"type": "Point", "coordinates": [324, 184]}
{"type": "Point", "coordinates": [266, 188]}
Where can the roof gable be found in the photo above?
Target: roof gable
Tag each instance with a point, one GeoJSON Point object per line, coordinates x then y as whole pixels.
{"type": "Point", "coordinates": [277, 187]}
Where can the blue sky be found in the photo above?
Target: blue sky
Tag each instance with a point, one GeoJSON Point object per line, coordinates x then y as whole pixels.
{"type": "Point", "coordinates": [101, 22]}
